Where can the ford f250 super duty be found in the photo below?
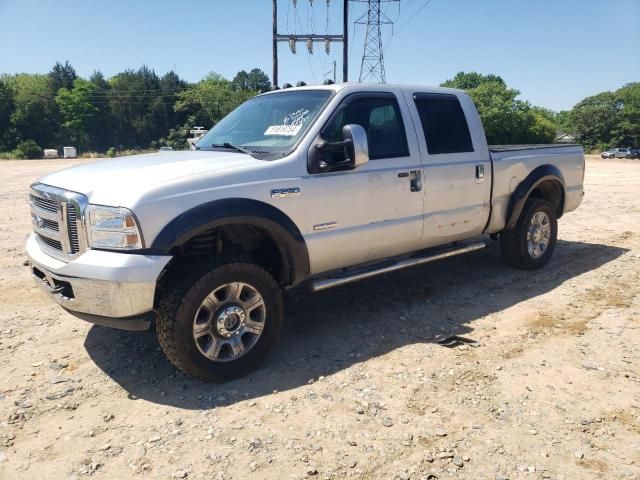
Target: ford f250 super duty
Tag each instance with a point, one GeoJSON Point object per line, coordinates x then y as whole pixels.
{"type": "Point", "coordinates": [315, 186]}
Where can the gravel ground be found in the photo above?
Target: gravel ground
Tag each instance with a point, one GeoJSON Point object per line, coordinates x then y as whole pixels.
{"type": "Point", "coordinates": [544, 384]}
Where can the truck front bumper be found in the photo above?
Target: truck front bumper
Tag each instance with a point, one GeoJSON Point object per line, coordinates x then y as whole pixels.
{"type": "Point", "coordinates": [107, 288]}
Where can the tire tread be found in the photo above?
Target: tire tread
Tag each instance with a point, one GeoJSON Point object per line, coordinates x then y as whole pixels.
{"type": "Point", "coordinates": [513, 240]}
{"type": "Point", "coordinates": [174, 294]}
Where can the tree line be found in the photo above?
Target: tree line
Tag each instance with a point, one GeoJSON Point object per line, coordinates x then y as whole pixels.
{"type": "Point", "coordinates": [598, 122]}
{"type": "Point", "coordinates": [138, 109]}
{"type": "Point", "coordinates": [134, 109]}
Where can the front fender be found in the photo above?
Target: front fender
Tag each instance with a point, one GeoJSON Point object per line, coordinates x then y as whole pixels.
{"type": "Point", "coordinates": [238, 211]}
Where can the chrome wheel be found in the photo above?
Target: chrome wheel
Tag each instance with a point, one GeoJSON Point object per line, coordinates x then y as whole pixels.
{"type": "Point", "coordinates": [229, 322]}
{"type": "Point", "coordinates": [538, 235]}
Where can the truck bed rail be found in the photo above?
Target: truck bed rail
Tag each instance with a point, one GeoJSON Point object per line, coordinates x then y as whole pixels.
{"type": "Point", "coordinates": [514, 148]}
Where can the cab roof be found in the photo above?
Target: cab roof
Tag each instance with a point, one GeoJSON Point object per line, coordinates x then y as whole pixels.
{"type": "Point", "coordinates": [370, 87]}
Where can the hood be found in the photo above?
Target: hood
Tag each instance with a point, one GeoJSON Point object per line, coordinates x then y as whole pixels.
{"type": "Point", "coordinates": [128, 177]}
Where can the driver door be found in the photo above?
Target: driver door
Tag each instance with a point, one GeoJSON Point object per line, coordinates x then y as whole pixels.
{"type": "Point", "coordinates": [373, 211]}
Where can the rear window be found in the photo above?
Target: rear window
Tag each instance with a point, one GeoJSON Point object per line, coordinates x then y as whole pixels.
{"type": "Point", "coordinates": [444, 124]}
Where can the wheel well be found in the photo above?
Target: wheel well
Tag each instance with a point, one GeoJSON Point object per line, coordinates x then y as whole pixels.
{"type": "Point", "coordinates": [552, 191]}
{"type": "Point", "coordinates": [257, 244]}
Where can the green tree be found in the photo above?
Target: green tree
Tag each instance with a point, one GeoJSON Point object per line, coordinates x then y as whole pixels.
{"type": "Point", "coordinates": [470, 80]}
{"type": "Point", "coordinates": [506, 119]}
{"type": "Point", "coordinates": [627, 125]}
{"type": "Point", "coordinates": [164, 114]}
{"type": "Point", "coordinates": [35, 114]}
{"type": "Point", "coordinates": [79, 113]}
{"type": "Point", "coordinates": [594, 119]}
{"type": "Point", "coordinates": [134, 104]}
{"type": "Point", "coordinates": [28, 149]}
{"type": "Point", "coordinates": [62, 76]}
{"type": "Point", "coordinates": [563, 121]}
{"type": "Point", "coordinates": [543, 129]}
{"type": "Point", "coordinates": [176, 138]}
{"type": "Point", "coordinates": [239, 82]}
{"type": "Point", "coordinates": [7, 107]}
{"type": "Point", "coordinates": [256, 80]}
{"type": "Point", "coordinates": [102, 127]}
{"type": "Point", "coordinates": [211, 99]}
{"type": "Point", "coordinates": [142, 106]}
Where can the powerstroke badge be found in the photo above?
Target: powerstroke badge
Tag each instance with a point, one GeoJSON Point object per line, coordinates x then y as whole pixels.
{"type": "Point", "coordinates": [325, 226]}
{"type": "Point", "coordinates": [285, 192]}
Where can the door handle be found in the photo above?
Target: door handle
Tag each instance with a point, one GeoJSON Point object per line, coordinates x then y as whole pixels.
{"type": "Point", "coordinates": [415, 177]}
{"type": "Point", "coordinates": [479, 173]}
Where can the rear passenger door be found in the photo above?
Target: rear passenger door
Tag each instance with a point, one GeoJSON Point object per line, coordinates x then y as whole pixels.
{"type": "Point", "coordinates": [457, 168]}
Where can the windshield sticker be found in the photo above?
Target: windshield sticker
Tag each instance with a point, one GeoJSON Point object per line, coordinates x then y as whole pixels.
{"type": "Point", "coordinates": [283, 130]}
{"type": "Point", "coordinates": [291, 124]}
{"type": "Point", "coordinates": [296, 118]}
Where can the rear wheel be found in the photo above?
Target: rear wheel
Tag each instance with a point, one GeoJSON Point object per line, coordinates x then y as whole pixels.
{"type": "Point", "coordinates": [217, 319]}
{"type": "Point", "coordinates": [530, 244]}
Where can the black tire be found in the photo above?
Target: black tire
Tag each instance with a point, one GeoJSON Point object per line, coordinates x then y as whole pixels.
{"type": "Point", "coordinates": [514, 242]}
{"type": "Point", "coordinates": [181, 298]}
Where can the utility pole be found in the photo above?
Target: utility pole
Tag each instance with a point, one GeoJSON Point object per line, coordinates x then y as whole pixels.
{"type": "Point", "coordinates": [372, 64]}
{"type": "Point", "coordinates": [345, 41]}
{"type": "Point", "coordinates": [310, 39]}
{"type": "Point", "coordinates": [332, 69]}
{"type": "Point", "coordinates": [275, 43]}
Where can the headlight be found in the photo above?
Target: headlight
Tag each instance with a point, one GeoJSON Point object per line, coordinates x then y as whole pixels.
{"type": "Point", "coordinates": [112, 227]}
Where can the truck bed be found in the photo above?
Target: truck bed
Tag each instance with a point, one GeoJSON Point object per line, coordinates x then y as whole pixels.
{"type": "Point", "coordinates": [513, 163]}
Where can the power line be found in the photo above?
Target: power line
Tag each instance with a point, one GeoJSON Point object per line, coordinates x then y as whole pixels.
{"type": "Point", "coordinates": [415, 15]}
{"type": "Point", "coordinates": [311, 38]}
{"type": "Point", "coordinates": [391, 34]}
{"type": "Point", "coordinates": [313, 72]}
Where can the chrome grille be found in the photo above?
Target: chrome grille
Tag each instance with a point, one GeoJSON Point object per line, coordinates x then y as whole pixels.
{"type": "Point", "coordinates": [51, 225]}
{"type": "Point", "coordinates": [72, 226]}
{"type": "Point", "coordinates": [45, 204]}
{"type": "Point", "coordinates": [57, 220]}
{"type": "Point", "coordinates": [50, 242]}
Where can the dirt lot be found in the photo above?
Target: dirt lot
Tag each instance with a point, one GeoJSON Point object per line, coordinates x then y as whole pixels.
{"type": "Point", "coordinates": [358, 387]}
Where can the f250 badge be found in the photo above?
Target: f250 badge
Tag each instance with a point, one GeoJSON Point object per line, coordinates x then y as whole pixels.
{"type": "Point", "coordinates": [285, 192]}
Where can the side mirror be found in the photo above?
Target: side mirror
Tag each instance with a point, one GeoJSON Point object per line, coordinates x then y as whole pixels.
{"type": "Point", "coordinates": [355, 139]}
{"type": "Point", "coordinates": [351, 152]}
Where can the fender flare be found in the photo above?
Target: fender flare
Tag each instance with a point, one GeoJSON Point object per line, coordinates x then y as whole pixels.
{"type": "Point", "coordinates": [277, 224]}
{"type": "Point", "coordinates": [521, 194]}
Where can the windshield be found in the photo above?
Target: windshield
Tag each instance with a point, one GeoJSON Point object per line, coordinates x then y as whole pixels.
{"type": "Point", "coordinates": [267, 125]}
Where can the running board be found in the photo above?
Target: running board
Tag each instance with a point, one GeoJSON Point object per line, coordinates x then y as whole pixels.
{"type": "Point", "coordinates": [323, 284]}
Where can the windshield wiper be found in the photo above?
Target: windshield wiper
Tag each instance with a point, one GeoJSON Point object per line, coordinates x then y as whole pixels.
{"type": "Point", "coordinates": [233, 147]}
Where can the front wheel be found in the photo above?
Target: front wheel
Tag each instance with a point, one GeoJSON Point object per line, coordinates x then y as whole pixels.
{"type": "Point", "coordinates": [530, 244]}
{"type": "Point", "coordinates": [217, 319]}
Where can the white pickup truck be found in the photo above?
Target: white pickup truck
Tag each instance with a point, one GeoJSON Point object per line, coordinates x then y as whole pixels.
{"type": "Point", "coordinates": [317, 186]}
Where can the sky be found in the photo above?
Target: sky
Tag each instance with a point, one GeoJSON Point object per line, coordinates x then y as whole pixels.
{"type": "Point", "coordinates": [555, 52]}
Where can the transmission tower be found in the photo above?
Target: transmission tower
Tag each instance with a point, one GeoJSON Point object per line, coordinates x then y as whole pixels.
{"type": "Point", "coordinates": [372, 66]}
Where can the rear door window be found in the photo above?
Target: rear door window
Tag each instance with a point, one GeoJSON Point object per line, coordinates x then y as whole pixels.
{"type": "Point", "coordinates": [443, 123]}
